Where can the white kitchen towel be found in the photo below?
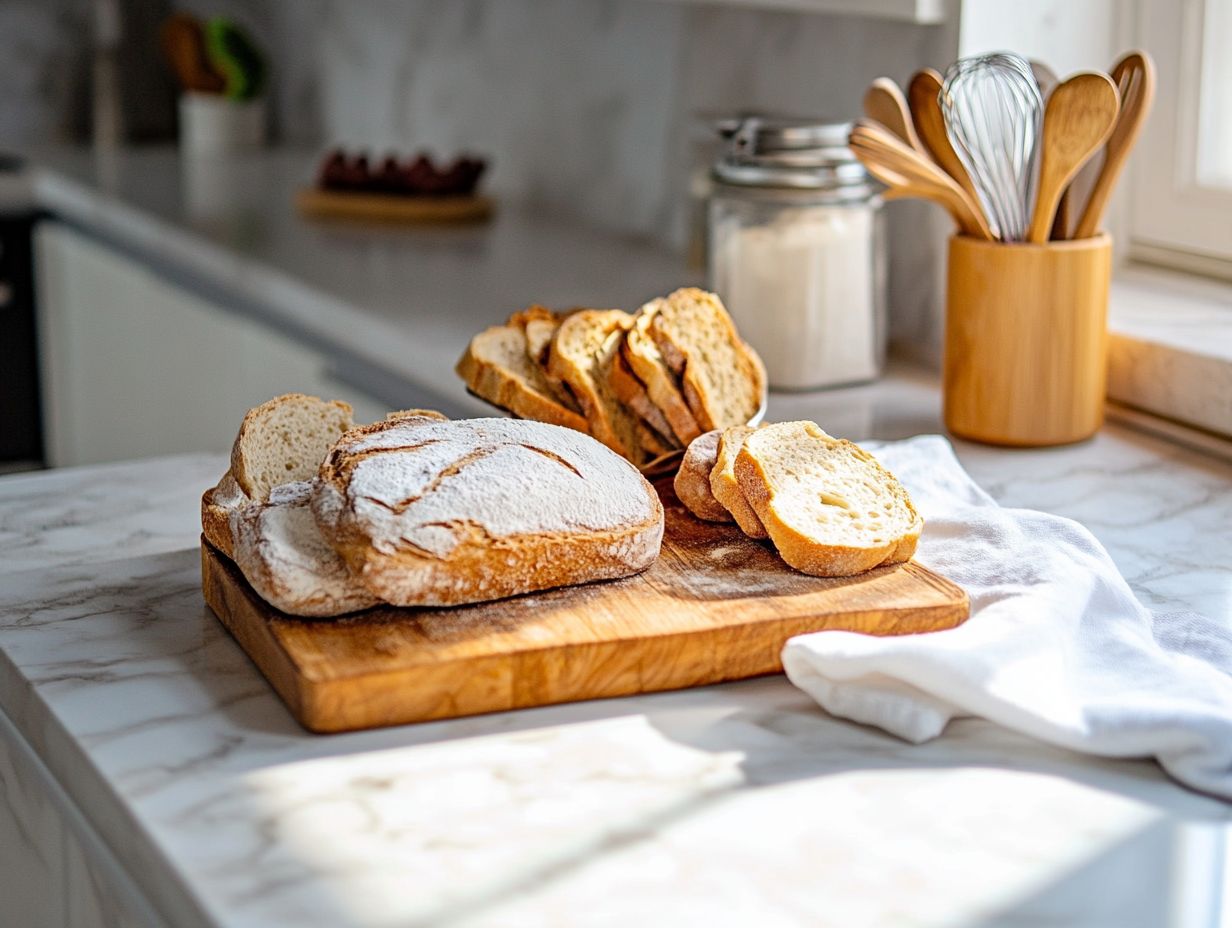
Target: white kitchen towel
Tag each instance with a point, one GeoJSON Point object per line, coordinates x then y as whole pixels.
{"type": "Point", "coordinates": [1057, 646]}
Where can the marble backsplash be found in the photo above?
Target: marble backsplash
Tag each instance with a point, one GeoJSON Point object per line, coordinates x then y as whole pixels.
{"type": "Point", "coordinates": [586, 107]}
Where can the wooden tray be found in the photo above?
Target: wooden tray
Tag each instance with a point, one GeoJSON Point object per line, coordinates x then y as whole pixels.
{"type": "Point", "coordinates": [384, 207]}
{"type": "Point", "coordinates": [715, 606]}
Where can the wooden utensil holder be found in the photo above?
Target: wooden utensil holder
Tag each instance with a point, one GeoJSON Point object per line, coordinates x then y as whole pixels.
{"type": "Point", "coordinates": [1026, 340]}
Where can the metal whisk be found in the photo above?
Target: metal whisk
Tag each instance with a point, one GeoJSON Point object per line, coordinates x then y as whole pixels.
{"type": "Point", "coordinates": [993, 111]}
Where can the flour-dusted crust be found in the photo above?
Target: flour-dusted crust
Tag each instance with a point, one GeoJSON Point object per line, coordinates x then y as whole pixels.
{"type": "Point", "coordinates": [284, 557]}
{"type": "Point", "coordinates": [217, 505]}
{"type": "Point", "coordinates": [830, 508]}
{"type": "Point", "coordinates": [692, 483]}
{"type": "Point", "coordinates": [726, 488]}
{"type": "Point", "coordinates": [446, 513]}
{"type": "Point", "coordinates": [722, 378]}
{"type": "Point", "coordinates": [663, 389]}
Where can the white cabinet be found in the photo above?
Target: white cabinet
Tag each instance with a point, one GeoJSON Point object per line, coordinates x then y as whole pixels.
{"type": "Point", "coordinates": [134, 365]}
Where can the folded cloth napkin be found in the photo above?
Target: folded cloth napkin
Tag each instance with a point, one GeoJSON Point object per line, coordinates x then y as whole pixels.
{"type": "Point", "coordinates": [1057, 646]}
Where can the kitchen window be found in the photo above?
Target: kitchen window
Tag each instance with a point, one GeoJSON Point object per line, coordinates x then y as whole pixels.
{"type": "Point", "coordinates": [1181, 200]}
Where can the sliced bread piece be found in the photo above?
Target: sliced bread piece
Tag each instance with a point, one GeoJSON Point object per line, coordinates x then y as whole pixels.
{"type": "Point", "coordinates": [445, 513]}
{"type": "Point", "coordinates": [692, 483]}
{"type": "Point", "coordinates": [662, 388]}
{"type": "Point", "coordinates": [583, 352]}
{"type": "Point", "coordinates": [630, 391]}
{"type": "Point", "coordinates": [283, 440]}
{"type": "Point", "coordinates": [726, 488]}
{"type": "Point", "coordinates": [721, 377]}
{"type": "Point", "coordinates": [497, 368]}
{"type": "Point", "coordinates": [829, 507]}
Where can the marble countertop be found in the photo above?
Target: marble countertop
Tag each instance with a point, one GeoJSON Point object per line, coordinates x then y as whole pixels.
{"type": "Point", "coordinates": [735, 804]}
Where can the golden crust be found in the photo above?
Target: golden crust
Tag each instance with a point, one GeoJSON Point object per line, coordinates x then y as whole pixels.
{"type": "Point", "coordinates": [726, 488]}
{"type": "Point", "coordinates": [216, 514]}
{"type": "Point", "coordinates": [630, 391]}
{"type": "Point", "coordinates": [692, 483]}
{"type": "Point", "coordinates": [662, 388]}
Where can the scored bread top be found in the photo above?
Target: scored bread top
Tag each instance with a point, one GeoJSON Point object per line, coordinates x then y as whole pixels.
{"type": "Point", "coordinates": [497, 368]}
{"type": "Point", "coordinates": [722, 378]}
{"type": "Point", "coordinates": [829, 507]}
{"type": "Point", "coordinates": [450, 512]}
{"type": "Point", "coordinates": [647, 364]}
{"type": "Point", "coordinates": [692, 483]}
{"type": "Point", "coordinates": [284, 439]}
{"type": "Point", "coordinates": [584, 349]}
{"type": "Point", "coordinates": [726, 488]}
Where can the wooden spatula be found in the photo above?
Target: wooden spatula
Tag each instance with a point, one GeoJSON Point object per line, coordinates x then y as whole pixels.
{"type": "Point", "coordinates": [885, 103]}
{"type": "Point", "coordinates": [1134, 74]}
{"type": "Point", "coordinates": [1078, 118]}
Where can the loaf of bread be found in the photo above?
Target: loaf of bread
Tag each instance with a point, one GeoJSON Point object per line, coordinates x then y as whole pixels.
{"type": "Point", "coordinates": [445, 513]}
{"type": "Point", "coordinates": [497, 367]}
{"type": "Point", "coordinates": [283, 440]}
{"type": "Point", "coordinates": [726, 488]}
{"type": "Point", "coordinates": [829, 507]}
{"type": "Point", "coordinates": [281, 552]}
{"type": "Point", "coordinates": [692, 483]}
{"type": "Point", "coordinates": [722, 378]}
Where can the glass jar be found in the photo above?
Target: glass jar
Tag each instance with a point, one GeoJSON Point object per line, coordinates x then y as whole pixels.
{"type": "Point", "coordinates": [797, 251]}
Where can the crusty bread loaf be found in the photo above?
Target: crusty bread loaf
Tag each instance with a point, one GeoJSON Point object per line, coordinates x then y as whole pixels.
{"type": "Point", "coordinates": [281, 552]}
{"type": "Point", "coordinates": [630, 391]}
{"type": "Point", "coordinates": [662, 387]}
{"type": "Point", "coordinates": [583, 353]}
{"type": "Point", "coordinates": [444, 513]}
{"type": "Point", "coordinates": [497, 368]}
{"type": "Point", "coordinates": [726, 488]}
{"type": "Point", "coordinates": [692, 481]}
{"type": "Point", "coordinates": [721, 377]}
{"type": "Point", "coordinates": [283, 440]}
{"type": "Point", "coordinates": [829, 507]}
{"type": "Point", "coordinates": [217, 504]}
{"type": "Point", "coordinates": [413, 414]}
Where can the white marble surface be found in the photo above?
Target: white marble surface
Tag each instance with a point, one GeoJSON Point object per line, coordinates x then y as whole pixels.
{"type": "Point", "coordinates": [733, 804]}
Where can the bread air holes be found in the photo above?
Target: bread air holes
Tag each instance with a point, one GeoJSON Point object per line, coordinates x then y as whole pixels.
{"type": "Point", "coordinates": [832, 499]}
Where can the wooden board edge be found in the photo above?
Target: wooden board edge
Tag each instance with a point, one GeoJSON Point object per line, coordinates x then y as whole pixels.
{"type": "Point", "coordinates": [392, 208]}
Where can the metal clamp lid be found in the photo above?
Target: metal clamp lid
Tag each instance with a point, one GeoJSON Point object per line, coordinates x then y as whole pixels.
{"type": "Point", "coordinates": [765, 151]}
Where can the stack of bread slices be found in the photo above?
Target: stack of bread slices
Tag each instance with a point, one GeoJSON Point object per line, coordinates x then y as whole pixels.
{"type": "Point", "coordinates": [826, 504]}
{"type": "Point", "coordinates": [324, 517]}
{"type": "Point", "coordinates": [645, 384]}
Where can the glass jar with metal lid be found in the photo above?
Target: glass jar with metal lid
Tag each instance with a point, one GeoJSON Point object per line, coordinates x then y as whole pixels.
{"type": "Point", "coordinates": [796, 250]}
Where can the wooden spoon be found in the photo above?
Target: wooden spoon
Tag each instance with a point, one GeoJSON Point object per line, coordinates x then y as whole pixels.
{"type": "Point", "coordinates": [885, 103]}
{"type": "Point", "coordinates": [1078, 117]}
{"type": "Point", "coordinates": [924, 96]}
{"type": "Point", "coordinates": [909, 174]}
{"type": "Point", "coordinates": [1135, 75]}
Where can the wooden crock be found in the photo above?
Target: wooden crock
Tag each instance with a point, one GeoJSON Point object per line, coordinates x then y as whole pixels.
{"type": "Point", "coordinates": [1026, 340]}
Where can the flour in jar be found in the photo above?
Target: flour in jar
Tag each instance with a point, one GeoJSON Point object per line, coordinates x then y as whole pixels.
{"type": "Point", "coordinates": [804, 291]}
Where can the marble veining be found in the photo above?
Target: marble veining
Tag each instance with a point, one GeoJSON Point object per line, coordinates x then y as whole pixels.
{"type": "Point", "coordinates": [731, 804]}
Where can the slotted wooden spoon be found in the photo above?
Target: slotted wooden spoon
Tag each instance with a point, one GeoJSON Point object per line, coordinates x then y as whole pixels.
{"type": "Point", "coordinates": [1078, 118]}
{"type": "Point", "coordinates": [1134, 74]}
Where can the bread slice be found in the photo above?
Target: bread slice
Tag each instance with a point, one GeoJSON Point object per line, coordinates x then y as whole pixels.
{"type": "Point", "coordinates": [287, 561]}
{"type": "Point", "coordinates": [726, 488]}
{"type": "Point", "coordinates": [284, 440]}
{"type": "Point", "coordinates": [583, 352]}
{"type": "Point", "coordinates": [630, 391]}
{"type": "Point", "coordinates": [497, 368]}
{"type": "Point", "coordinates": [662, 388]}
{"type": "Point", "coordinates": [721, 377]}
{"type": "Point", "coordinates": [217, 505]}
{"type": "Point", "coordinates": [829, 507]}
{"type": "Point", "coordinates": [692, 483]}
{"type": "Point", "coordinates": [445, 513]}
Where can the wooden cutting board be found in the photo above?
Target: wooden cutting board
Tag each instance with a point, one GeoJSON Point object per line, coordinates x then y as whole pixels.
{"type": "Point", "coordinates": [715, 606]}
